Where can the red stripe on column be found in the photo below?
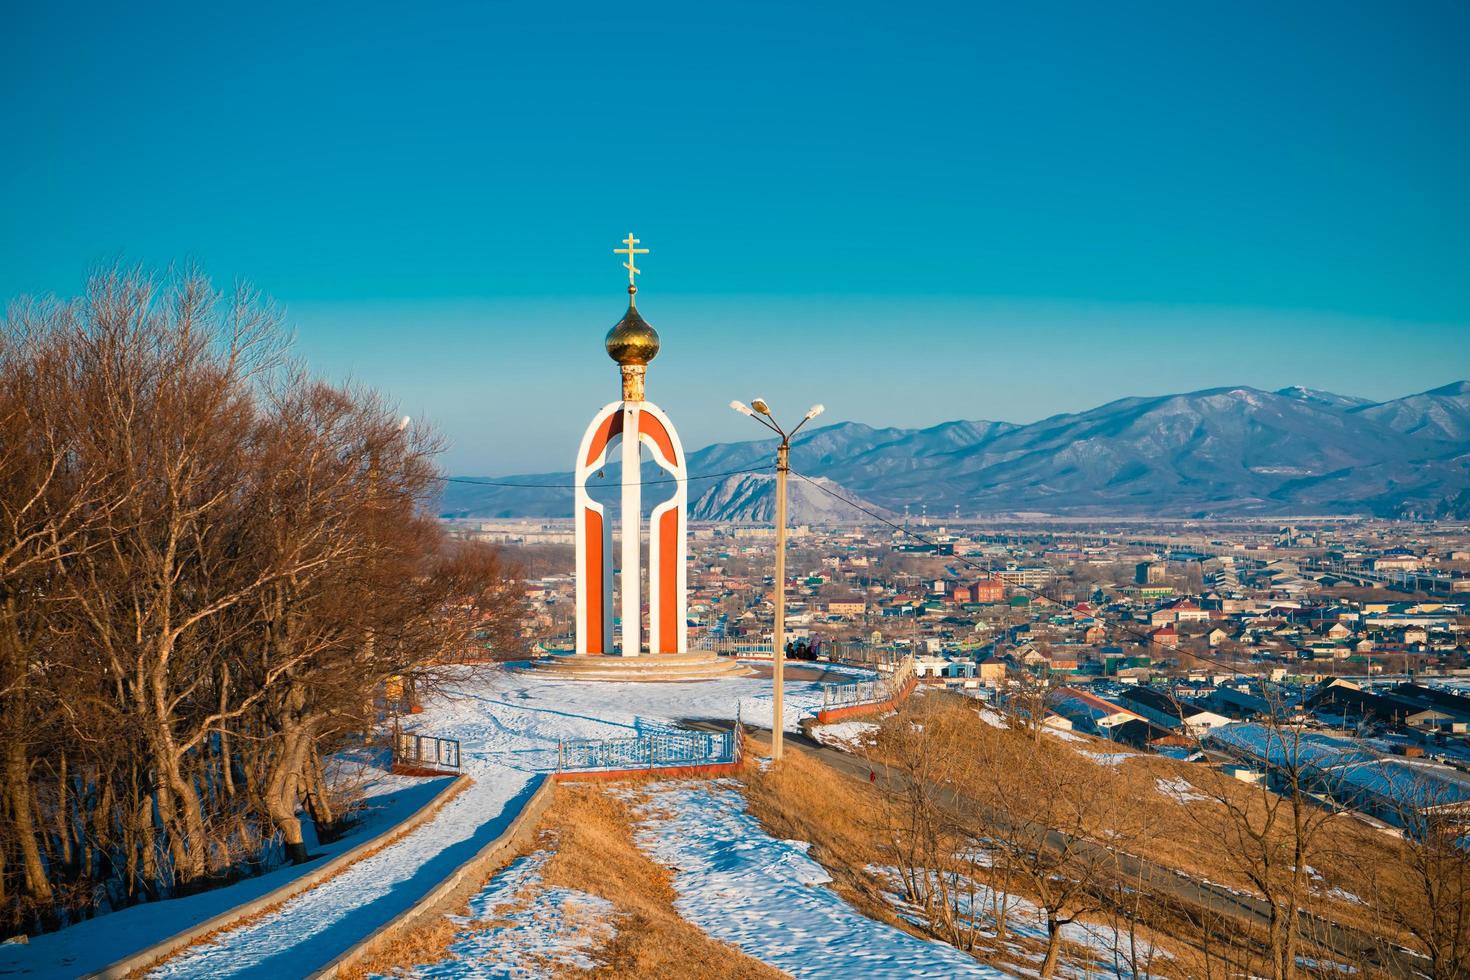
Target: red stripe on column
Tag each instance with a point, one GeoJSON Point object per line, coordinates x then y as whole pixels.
{"type": "Point", "coordinates": [649, 425]}
{"type": "Point", "coordinates": [611, 426]}
{"type": "Point", "coordinates": [592, 575]}
{"type": "Point", "coordinates": [668, 582]}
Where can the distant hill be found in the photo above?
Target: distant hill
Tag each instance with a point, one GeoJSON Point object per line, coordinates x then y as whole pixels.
{"type": "Point", "coordinates": [1221, 451]}
{"type": "Point", "coordinates": [1443, 413]}
{"type": "Point", "coordinates": [751, 499]}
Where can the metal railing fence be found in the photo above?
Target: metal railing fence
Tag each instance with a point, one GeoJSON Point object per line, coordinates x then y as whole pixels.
{"type": "Point", "coordinates": [646, 751]}
{"type": "Point", "coordinates": [656, 750]}
{"type": "Point", "coordinates": [884, 688]}
{"type": "Point", "coordinates": [861, 654]}
{"type": "Point", "coordinates": [413, 749]}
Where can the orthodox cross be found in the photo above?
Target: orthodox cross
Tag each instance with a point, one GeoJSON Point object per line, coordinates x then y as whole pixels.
{"type": "Point", "coordinates": [632, 254]}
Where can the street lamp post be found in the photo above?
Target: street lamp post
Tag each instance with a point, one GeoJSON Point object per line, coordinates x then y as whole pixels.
{"type": "Point", "coordinates": [778, 637]}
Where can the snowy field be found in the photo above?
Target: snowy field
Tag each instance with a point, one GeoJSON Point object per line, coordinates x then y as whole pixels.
{"type": "Point", "coordinates": [766, 897]}
{"type": "Point", "coordinates": [509, 722]}
{"type": "Point", "coordinates": [518, 930]}
{"type": "Point", "coordinates": [1113, 953]}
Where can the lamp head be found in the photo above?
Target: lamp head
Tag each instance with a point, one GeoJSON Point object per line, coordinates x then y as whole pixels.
{"type": "Point", "coordinates": [759, 404]}
{"type": "Point", "coordinates": [403, 423]}
{"type": "Point", "coordinates": [815, 410]}
{"type": "Point", "coordinates": [742, 408]}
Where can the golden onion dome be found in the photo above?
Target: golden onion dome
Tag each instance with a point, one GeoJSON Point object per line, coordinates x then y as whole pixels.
{"type": "Point", "coordinates": [632, 341]}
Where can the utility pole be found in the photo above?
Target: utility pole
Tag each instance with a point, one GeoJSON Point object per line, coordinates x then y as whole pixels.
{"type": "Point", "coordinates": [778, 633]}
{"type": "Point", "coordinates": [778, 660]}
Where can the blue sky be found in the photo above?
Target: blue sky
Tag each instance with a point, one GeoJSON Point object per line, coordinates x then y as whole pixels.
{"type": "Point", "coordinates": [909, 212]}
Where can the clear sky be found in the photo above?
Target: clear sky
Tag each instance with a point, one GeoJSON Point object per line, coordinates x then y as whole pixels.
{"type": "Point", "coordinates": [911, 212]}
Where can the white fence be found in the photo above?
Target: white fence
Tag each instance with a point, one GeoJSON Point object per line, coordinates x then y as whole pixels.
{"type": "Point", "coordinates": [879, 657]}
{"type": "Point", "coordinates": [663, 749]}
{"type": "Point", "coordinates": [884, 688]}
{"type": "Point", "coordinates": [734, 648]}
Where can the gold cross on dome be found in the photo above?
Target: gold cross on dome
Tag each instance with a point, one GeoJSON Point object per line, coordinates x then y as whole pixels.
{"type": "Point", "coordinates": [632, 254]}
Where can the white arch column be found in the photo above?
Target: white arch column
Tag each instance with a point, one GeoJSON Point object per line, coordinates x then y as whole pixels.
{"type": "Point", "coordinates": [633, 424]}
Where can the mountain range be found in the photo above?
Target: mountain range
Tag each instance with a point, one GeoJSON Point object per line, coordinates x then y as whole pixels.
{"type": "Point", "coordinates": [1220, 451]}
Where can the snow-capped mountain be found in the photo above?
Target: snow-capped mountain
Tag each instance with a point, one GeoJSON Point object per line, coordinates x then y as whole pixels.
{"type": "Point", "coordinates": [1219, 451]}
{"type": "Point", "coordinates": [1443, 413]}
{"type": "Point", "coordinates": [751, 499]}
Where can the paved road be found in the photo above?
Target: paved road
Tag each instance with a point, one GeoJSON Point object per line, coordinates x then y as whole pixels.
{"type": "Point", "coordinates": [1345, 941]}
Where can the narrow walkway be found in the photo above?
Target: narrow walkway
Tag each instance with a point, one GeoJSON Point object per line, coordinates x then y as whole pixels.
{"type": "Point", "coordinates": [509, 723]}
{"type": "Point", "coordinates": [316, 925]}
{"type": "Point", "coordinates": [93, 944]}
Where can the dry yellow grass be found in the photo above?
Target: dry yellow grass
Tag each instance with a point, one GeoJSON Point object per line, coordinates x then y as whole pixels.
{"type": "Point", "coordinates": [848, 823]}
{"type": "Point", "coordinates": [1187, 835]}
{"type": "Point", "coordinates": [845, 821]}
{"type": "Point", "coordinates": [426, 942]}
{"type": "Point", "coordinates": [589, 834]}
{"type": "Point", "coordinates": [596, 854]}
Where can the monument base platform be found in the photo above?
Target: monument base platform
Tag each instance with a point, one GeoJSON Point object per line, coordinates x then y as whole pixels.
{"type": "Point", "coordinates": [694, 666]}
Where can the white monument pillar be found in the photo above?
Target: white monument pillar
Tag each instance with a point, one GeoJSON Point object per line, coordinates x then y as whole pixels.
{"type": "Point", "coordinates": [636, 422]}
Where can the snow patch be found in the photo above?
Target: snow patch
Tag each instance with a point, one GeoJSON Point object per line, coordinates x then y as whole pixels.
{"type": "Point", "coordinates": [1178, 789]}
{"type": "Point", "coordinates": [764, 896]}
{"type": "Point", "coordinates": [850, 736]}
{"type": "Point", "coordinates": [993, 718]}
{"type": "Point", "coordinates": [519, 929]}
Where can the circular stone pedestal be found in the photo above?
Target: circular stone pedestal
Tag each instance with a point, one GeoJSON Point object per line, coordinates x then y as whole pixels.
{"type": "Point", "coordinates": [696, 666]}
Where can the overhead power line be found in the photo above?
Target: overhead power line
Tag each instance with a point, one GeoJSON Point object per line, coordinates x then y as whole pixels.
{"type": "Point", "coordinates": [473, 481]}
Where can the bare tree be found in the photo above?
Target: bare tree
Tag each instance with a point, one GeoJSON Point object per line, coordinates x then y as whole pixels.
{"type": "Point", "coordinates": [1427, 893]}
{"type": "Point", "coordinates": [1045, 806]}
{"type": "Point", "coordinates": [209, 564]}
{"type": "Point", "coordinates": [1272, 830]}
{"type": "Point", "coordinates": [1029, 695]}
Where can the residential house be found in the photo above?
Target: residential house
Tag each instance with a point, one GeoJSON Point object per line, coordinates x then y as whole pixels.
{"type": "Point", "coordinates": [1164, 636]}
{"type": "Point", "coordinates": [1167, 711]}
{"type": "Point", "coordinates": [1089, 713]}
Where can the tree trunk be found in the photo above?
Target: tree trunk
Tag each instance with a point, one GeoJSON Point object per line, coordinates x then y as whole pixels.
{"type": "Point", "coordinates": [1053, 945]}
{"type": "Point", "coordinates": [183, 816]}
{"type": "Point", "coordinates": [1276, 935]}
{"type": "Point", "coordinates": [18, 784]}
{"type": "Point", "coordinates": [147, 853]}
{"type": "Point", "coordinates": [226, 763]}
{"type": "Point", "coordinates": [63, 821]}
{"type": "Point", "coordinates": [14, 732]}
{"type": "Point", "coordinates": [281, 797]}
{"type": "Point", "coordinates": [321, 804]}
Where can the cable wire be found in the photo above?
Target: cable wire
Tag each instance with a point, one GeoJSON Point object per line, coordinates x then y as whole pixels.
{"type": "Point", "coordinates": [475, 482]}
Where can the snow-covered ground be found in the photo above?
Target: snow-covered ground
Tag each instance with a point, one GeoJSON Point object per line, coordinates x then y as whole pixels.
{"type": "Point", "coordinates": [518, 929]}
{"type": "Point", "coordinates": [508, 722]}
{"type": "Point", "coordinates": [851, 736]}
{"type": "Point", "coordinates": [765, 897]}
{"type": "Point", "coordinates": [993, 718]}
{"type": "Point", "coordinates": [1179, 789]}
{"type": "Point", "coordinates": [1114, 952]}
{"type": "Point", "coordinates": [88, 946]}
